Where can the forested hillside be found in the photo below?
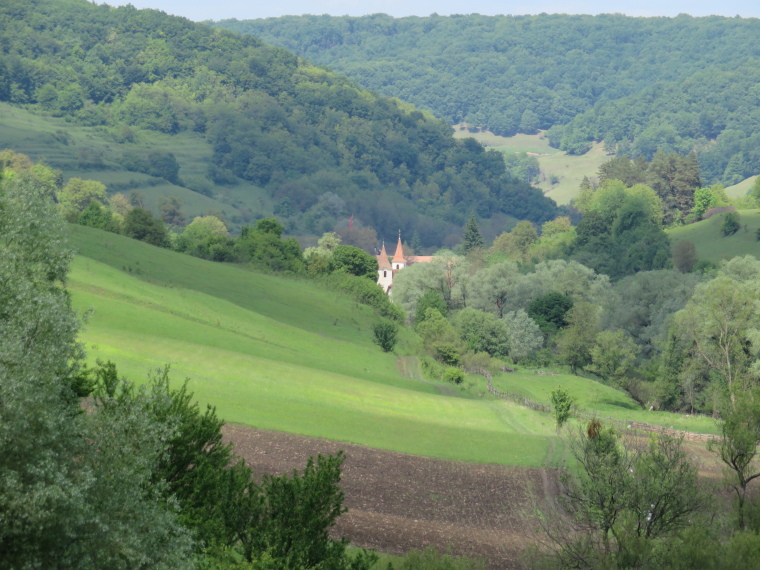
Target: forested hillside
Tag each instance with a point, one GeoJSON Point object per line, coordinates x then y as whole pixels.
{"type": "Point", "coordinates": [677, 84]}
{"type": "Point", "coordinates": [320, 147]}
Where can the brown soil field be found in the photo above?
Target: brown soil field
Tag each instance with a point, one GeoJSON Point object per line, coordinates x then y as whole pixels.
{"type": "Point", "coordinates": [398, 502]}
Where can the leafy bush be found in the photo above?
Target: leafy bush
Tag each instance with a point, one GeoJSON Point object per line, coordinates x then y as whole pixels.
{"type": "Point", "coordinates": [140, 224]}
{"type": "Point", "coordinates": [453, 375]}
{"type": "Point", "coordinates": [366, 292]}
{"type": "Point", "coordinates": [731, 224]}
{"type": "Point", "coordinates": [386, 335]}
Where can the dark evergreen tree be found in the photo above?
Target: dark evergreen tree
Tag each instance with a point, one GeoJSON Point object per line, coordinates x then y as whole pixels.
{"type": "Point", "coordinates": [472, 238]}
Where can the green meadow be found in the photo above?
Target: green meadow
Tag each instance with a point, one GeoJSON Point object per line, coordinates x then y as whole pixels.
{"type": "Point", "coordinates": [596, 398]}
{"type": "Point", "coordinates": [280, 354]}
{"type": "Point", "coordinates": [741, 189]}
{"type": "Point", "coordinates": [286, 354]}
{"type": "Point", "coordinates": [710, 243]}
{"type": "Point", "coordinates": [569, 170]}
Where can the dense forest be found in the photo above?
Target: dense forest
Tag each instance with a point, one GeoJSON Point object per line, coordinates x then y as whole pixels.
{"type": "Point", "coordinates": [322, 147]}
{"type": "Point", "coordinates": [639, 84]}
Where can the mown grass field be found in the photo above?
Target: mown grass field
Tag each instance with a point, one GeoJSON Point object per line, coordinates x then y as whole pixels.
{"type": "Point", "coordinates": [285, 354]}
{"type": "Point", "coordinates": [568, 169]}
{"type": "Point", "coordinates": [710, 243]}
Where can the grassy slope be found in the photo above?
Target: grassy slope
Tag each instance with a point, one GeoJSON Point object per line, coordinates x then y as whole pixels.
{"type": "Point", "coordinates": [35, 136]}
{"type": "Point", "coordinates": [284, 354]}
{"type": "Point", "coordinates": [712, 245]}
{"type": "Point", "coordinates": [741, 189]}
{"type": "Point", "coordinates": [280, 354]}
{"type": "Point", "coordinates": [598, 399]}
{"type": "Point", "coordinates": [568, 168]}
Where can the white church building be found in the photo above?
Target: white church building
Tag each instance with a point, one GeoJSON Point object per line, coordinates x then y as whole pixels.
{"type": "Point", "coordinates": [387, 268]}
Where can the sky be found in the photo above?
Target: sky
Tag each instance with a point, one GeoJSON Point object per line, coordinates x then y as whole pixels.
{"type": "Point", "coordinates": [246, 9]}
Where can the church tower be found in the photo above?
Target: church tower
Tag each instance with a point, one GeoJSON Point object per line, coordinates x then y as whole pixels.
{"type": "Point", "coordinates": [384, 270]}
{"type": "Point", "coordinates": [399, 262]}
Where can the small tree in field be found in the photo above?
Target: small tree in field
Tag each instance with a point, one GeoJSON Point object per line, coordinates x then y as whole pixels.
{"type": "Point", "coordinates": [385, 336]}
{"type": "Point", "coordinates": [730, 225]}
{"type": "Point", "coordinates": [562, 405]}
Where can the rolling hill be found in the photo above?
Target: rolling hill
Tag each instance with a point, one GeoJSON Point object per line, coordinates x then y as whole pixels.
{"type": "Point", "coordinates": [147, 101]}
{"type": "Point", "coordinates": [712, 245]}
{"type": "Point", "coordinates": [677, 84]}
{"type": "Point", "coordinates": [286, 354]}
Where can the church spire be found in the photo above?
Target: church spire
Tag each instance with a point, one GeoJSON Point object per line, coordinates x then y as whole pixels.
{"type": "Point", "coordinates": [399, 256]}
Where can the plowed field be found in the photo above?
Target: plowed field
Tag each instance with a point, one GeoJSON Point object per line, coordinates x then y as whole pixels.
{"type": "Point", "coordinates": [399, 502]}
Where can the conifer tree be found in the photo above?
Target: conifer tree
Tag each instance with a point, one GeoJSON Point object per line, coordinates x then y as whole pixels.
{"type": "Point", "coordinates": [472, 238]}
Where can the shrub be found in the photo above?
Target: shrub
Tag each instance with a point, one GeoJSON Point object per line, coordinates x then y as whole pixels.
{"type": "Point", "coordinates": [366, 292]}
{"type": "Point", "coordinates": [386, 335]}
{"type": "Point", "coordinates": [562, 405]}
{"type": "Point", "coordinates": [453, 375]}
{"type": "Point", "coordinates": [731, 224]}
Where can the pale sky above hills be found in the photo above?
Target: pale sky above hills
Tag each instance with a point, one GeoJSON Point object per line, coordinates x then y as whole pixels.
{"type": "Point", "coordinates": [246, 9]}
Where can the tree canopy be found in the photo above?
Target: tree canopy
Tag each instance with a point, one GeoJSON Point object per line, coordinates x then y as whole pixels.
{"type": "Point", "coordinates": [639, 84]}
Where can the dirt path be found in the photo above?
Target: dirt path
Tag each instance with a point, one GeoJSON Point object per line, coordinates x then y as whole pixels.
{"type": "Point", "coordinates": [399, 502]}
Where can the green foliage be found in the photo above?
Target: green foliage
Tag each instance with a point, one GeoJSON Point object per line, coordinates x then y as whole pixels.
{"type": "Point", "coordinates": [263, 247]}
{"type": "Point", "coordinates": [703, 201]}
{"type": "Point", "coordinates": [720, 321]}
{"type": "Point", "coordinates": [472, 239]}
{"type": "Point", "coordinates": [75, 486]}
{"type": "Point", "coordinates": [432, 559]}
{"type": "Point", "coordinates": [684, 256]}
{"type": "Point", "coordinates": [524, 334]}
{"type": "Point", "coordinates": [625, 502]}
{"type": "Point", "coordinates": [636, 104]}
{"type": "Point", "coordinates": [549, 312]}
{"type": "Point", "coordinates": [386, 335]}
{"type": "Point", "coordinates": [439, 337]}
{"type": "Point", "coordinates": [621, 232]}
{"type": "Point", "coordinates": [140, 224]}
{"type": "Point", "coordinates": [737, 447]}
{"type": "Point", "coordinates": [366, 292]}
{"type": "Point", "coordinates": [613, 357]}
{"type": "Point", "coordinates": [77, 195]}
{"type": "Point", "coordinates": [731, 224]}
{"type": "Point", "coordinates": [354, 261]}
{"type": "Point", "coordinates": [430, 299]}
{"type": "Point", "coordinates": [516, 244]}
{"type": "Point", "coordinates": [482, 332]}
{"type": "Point", "coordinates": [97, 216]}
{"type": "Point", "coordinates": [170, 209]}
{"type": "Point", "coordinates": [287, 519]}
{"type": "Point", "coordinates": [575, 342]}
{"type": "Point", "coordinates": [206, 237]}
{"type": "Point", "coordinates": [642, 304]}
{"type": "Point", "coordinates": [562, 406]}
{"type": "Point", "coordinates": [452, 374]}
{"type": "Point", "coordinates": [182, 79]}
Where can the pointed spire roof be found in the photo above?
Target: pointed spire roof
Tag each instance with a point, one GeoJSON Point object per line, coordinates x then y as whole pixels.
{"type": "Point", "coordinates": [399, 257]}
{"type": "Point", "coordinates": [382, 260]}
